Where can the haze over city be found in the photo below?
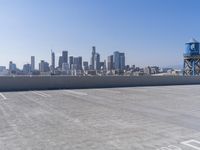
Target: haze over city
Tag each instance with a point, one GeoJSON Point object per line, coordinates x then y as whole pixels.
{"type": "Point", "coordinates": [149, 32]}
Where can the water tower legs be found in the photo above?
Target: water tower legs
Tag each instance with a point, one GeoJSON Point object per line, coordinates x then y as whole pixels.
{"type": "Point", "coordinates": [191, 66]}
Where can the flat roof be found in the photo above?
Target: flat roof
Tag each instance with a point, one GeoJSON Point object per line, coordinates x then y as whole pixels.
{"type": "Point", "coordinates": [136, 118]}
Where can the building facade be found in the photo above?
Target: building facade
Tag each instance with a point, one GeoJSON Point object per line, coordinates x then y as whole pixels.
{"type": "Point", "coordinates": [93, 58]}
{"type": "Point", "coordinates": [65, 57]}
{"type": "Point", "coordinates": [52, 62]}
{"type": "Point", "coordinates": [110, 63]}
{"type": "Point", "coordinates": [27, 69]}
{"type": "Point", "coordinates": [12, 67]}
{"type": "Point", "coordinates": [60, 61]}
{"type": "Point", "coordinates": [97, 65]}
{"type": "Point", "coordinates": [44, 66]}
{"type": "Point", "coordinates": [85, 66]}
{"type": "Point", "coordinates": [119, 60]}
{"type": "Point", "coordinates": [71, 62]}
{"type": "Point", "coordinates": [32, 63]}
{"type": "Point", "coordinates": [77, 63]}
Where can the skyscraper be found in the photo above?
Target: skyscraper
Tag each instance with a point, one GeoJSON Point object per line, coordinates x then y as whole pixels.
{"type": "Point", "coordinates": [97, 65]}
{"type": "Point", "coordinates": [65, 57]}
{"type": "Point", "coordinates": [65, 67]}
{"type": "Point", "coordinates": [122, 61]}
{"type": "Point", "coordinates": [104, 66]}
{"type": "Point", "coordinates": [77, 63]}
{"type": "Point", "coordinates": [110, 62]}
{"type": "Point", "coordinates": [93, 57]}
{"type": "Point", "coordinates": [60, 61]}
{"type": "Point", "coordinates": [32, 63]}
{"type": "Point", "coordinates": [85, 65]}
{"type": "Point", "coordinates": [12, 66]}
{"type": "Point", "coordinates": [27, 69]}
{"type": "Point", "coordinates": [71, 62]}
{"type": "Point", "coordinates": [52, 62]}
{"type": "Point", "coordinates": [119, 60]}
{"type": "Point", "coordinates": [43, 66]}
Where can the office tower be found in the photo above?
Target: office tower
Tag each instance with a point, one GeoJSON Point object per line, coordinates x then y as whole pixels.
{"type": "Point", "coordinates": [93, 58]}
{"type": "Point", "coordinates": [43, 66]}
{"type": "Point", "coordinates": [122, 61]}
{"type": "Point", "coordinates": [116, 57]}
{"type": "Point", "coordinates": [97, 62]}
{"type": "Point", "coordinates": [27, 69]}
{"type": "Point", "coordinates": [32, 63]}
{"type": "Point", "coordinates": [52, 62]}
{"type": "Point", "coordinates": [71, 62]}
{"type": "Point", "coordinates": [77, 63]}
{"type": "Point", "coordinates": [65, 67]}
{"type": "Point", "coordinates": [104, 66]}
{"type": "Point", "coordinates": [119, 60]}
{"type": "Point", "coordinates": [12, 66]}
{"type": "Point", "coordinates": [110, 62]}
{"type": "Point", "coordinates": [60, 61]}
{"type": "Point", "coordinates": [85, 65]}
{"type": "Point", "coordinates": [65, 57]}
{"type": "Point", "coordinates": [80, 63]}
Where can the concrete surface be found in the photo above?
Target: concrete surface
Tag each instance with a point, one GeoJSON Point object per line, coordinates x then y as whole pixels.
{"type": "Point", "coordinates": [137, 118]}
{"type": "Point", "coordinates": [17, 83]}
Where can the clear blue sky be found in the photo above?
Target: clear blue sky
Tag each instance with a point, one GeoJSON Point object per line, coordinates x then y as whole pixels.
{"type": "Point", "coordinates": [150, 32]}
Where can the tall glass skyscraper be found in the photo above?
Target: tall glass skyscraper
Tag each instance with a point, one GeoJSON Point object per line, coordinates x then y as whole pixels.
{"type": "Point", "coordinates": [32, 63]}
{"type": "Point", "coordinates": [52, 62]}
{"type": "Point", "coordinates": [110, 62]}
{"type": "Point", "coordinates": [77, 63]}
{"type": "Point", "coordinates": [60, 61]}
{"type": "Point", "coordinates": [93, 57]}
{"type": "Point", "coordinates": [97, 65]}
{"type": "Point", "coordinates": [65, 57]}
{"type": "Point", "coordinates": [119, 60]}
{"type": "Point", "coordinates": [71, 61]}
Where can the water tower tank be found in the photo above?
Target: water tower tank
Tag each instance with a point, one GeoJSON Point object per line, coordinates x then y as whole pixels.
{"type": "Point", "coordinates": [192, 48]}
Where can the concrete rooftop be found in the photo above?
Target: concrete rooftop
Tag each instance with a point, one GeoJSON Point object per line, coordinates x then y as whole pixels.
{"type": "Point", "coordinates": [137, 118]}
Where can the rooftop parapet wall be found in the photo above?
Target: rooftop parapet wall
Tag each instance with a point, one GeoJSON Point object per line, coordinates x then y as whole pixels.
{"type": "Point", "coordinates": [19, 83]}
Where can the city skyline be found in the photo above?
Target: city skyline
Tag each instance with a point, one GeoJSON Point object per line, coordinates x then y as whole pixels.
{"type": "Point", "coordinates": [73, 65]}
{"type": "Point", "coordinates": [55, 58]}
{"type": "Point", "coordinates": [150, 32]}
{"type": "Point", "coordinates": [114, 64]}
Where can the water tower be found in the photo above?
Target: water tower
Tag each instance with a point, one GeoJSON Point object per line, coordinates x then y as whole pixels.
{"type": "Point", "coordinates": [191, 58]}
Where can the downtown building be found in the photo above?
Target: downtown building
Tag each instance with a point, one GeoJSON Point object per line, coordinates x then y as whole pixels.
{"type": "Point", "coordinates": [27, 69]}
{"type": "Point", "coordinates": [52, 62]}
{"type": "Point", "coordinates": [12, 67]}
{"type": "Point", "coordinates": [92, 62]}
{"type": "Point", "coordinates": [32, 63]}
{"type": "Point", "coordinates": [97, 64]}
{"type": "Point", "coordinates": [63, 59]}
{"type": "Point", "coordinates": [119, 61]}
{"type": "Point", "coordinates": [77, 66]}
{"type": "Point", "coordinates": [110, 65]}
{"type": "Point", "coordinates": [44, 67]}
